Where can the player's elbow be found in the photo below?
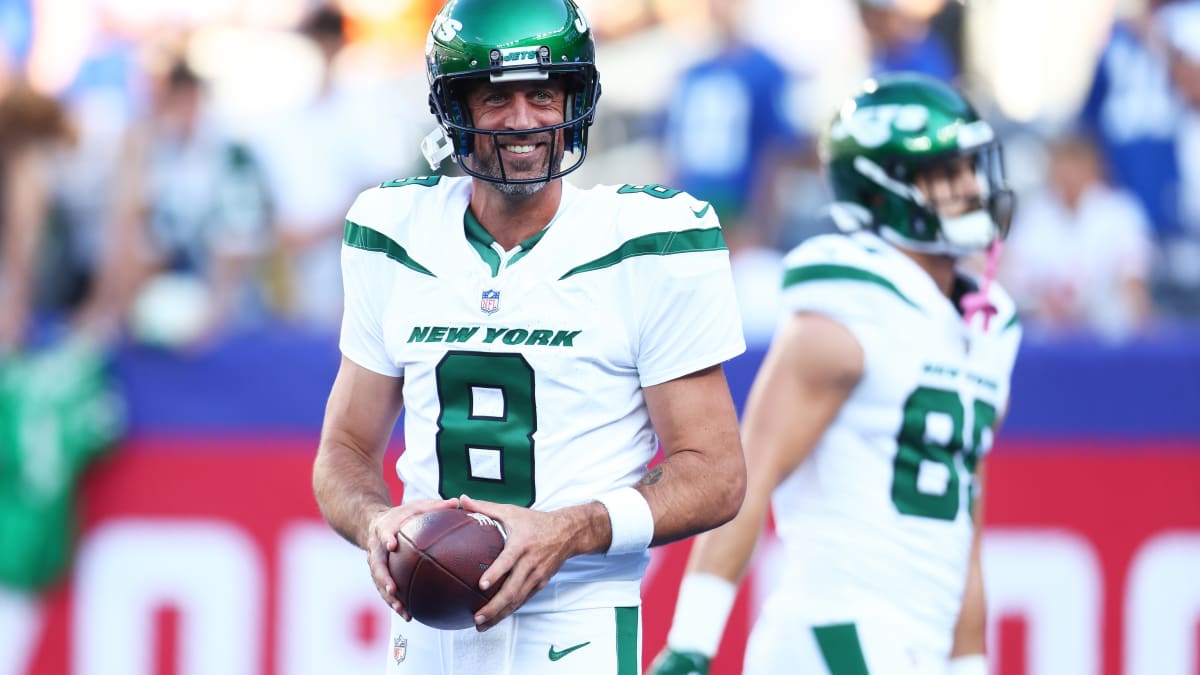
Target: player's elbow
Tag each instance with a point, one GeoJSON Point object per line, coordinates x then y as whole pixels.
{"type": "Point", "coordinates": [729, 490]}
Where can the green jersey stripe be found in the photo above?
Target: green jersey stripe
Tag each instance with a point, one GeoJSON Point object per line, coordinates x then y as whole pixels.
{"type": "Point", "coordinates": [805, 273]}
{"type": "Point", "coordinates": [367, 239]}
{"type": "Point", "coordinates": [841, 649]}
{"type": "Point", "coordinates": [1012, 323]}
{"type": "Point", "coordinates": [627, 641]}
{"type": "Point", "coordinates": [658, 243]}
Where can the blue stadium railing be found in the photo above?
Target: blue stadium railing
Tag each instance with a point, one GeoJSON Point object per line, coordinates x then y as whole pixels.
{"type": "Point", "coordinates": [276, 382]}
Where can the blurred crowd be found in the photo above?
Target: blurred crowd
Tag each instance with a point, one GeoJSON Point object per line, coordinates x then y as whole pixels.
{"type": "Point", "coordinates": [171, 173]}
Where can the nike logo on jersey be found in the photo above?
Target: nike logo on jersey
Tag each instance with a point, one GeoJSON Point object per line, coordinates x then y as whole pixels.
{"type": "Point", "coordinates": [701, 213]}
{"type": "Point", "coordinates": [556, 655]}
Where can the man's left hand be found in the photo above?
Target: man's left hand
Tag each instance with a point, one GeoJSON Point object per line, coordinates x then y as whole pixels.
{"type": "Point", "coordinates": [538, 543]}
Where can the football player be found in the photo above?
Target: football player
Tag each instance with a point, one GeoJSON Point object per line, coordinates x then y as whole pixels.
{"type": "Point", "coordinates": [867, 425]}
{"type": "Point", "coordinates": [542, 340]}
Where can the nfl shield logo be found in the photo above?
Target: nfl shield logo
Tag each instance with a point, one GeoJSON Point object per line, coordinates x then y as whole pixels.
{"type": "Point", "coordinates": [399, 649]}
{"type": "Point", "coordinates": [490, 302]}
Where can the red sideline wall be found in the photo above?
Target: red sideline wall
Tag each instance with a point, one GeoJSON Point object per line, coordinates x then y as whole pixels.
{"type": "Point", "coordinates": [208, 556]}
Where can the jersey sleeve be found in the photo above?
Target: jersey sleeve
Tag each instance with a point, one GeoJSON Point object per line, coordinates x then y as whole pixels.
{"type": "Point", "coordinates": [833, 276]}
{"type": "Point", "coordinates": [689, 318]}
{"type": "Point", "coordinates": [367, 279]}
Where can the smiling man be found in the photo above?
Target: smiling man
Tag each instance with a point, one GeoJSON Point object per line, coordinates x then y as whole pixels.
{"type": "Point", "coordinates": [542, 341]}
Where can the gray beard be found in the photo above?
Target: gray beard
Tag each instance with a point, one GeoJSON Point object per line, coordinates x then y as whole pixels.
{"type": "Point", "coordinates": [489, 165]}
{"type": "Point", "coordinates": [520, 189]}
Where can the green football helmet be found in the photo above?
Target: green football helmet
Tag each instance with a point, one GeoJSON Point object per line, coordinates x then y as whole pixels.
{"type": "Point", "coordinates": [898, 127]}
{"type": "Point", "coordinates": [502, 41]}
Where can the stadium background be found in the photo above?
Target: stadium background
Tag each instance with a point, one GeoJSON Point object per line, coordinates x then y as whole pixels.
{"type": "Point", "coordinates": [200, 549]}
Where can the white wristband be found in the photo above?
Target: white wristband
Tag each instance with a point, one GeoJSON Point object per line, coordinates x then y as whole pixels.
{"type": "Point", "coordinates": [631, 521]}
{"type": "Point", "coordinates": [701, 611]}
{"type": "Point", "coordinates": [971, 664]}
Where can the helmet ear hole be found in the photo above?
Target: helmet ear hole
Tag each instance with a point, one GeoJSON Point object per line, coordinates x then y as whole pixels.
{"type": "Point", "coordinates": [461, 116]}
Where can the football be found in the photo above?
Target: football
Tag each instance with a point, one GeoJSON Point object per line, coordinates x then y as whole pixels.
{"type": "Point", "coordinates": [437, 566]}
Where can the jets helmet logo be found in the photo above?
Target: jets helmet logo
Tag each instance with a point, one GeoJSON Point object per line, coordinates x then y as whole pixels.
{"type": "Point", "coordinates": [446, 28]}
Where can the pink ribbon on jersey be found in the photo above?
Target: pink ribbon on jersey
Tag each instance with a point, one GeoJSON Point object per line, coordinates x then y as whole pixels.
{"type": "Point", "coordinates": [976, 302]}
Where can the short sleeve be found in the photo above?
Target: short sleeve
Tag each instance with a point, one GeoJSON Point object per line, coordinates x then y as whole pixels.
{"type": "Point", "coordinates": [689, 318]}
{"type": "Point", "coordinates": [367, 279]}
{"type": "Point", "coordinates": [827, 275]}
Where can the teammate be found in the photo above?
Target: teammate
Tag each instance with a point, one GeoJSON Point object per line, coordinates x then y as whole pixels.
{"type": "Point", "coordinates": [542, 340]}
{"type": "Point", "coordinates": [868, 422]}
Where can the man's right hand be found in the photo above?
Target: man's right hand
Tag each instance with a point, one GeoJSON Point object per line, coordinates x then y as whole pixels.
{"type": "Point", "coordinates": [381, 540]}
{"type": "Point", "coordinates": [671, 662]}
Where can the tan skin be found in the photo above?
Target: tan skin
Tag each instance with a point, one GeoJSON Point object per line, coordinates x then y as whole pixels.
{"type": "Point", "coordinates": [517, 105]}
{"type": "Point", "coordinates": [27, 192]}
{"type": "Point", "coordinates": [812, 367]}
{"type": "Point", "coordinates": [699, 484]}
{"type": "Point", "coordinates": [953, 192]}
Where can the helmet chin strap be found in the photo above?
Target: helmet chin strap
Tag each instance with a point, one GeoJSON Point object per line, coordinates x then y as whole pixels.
{"type": "Point", "coordinates": [959, 236]}
{"type": "Point", "coordinates": [969, 233]}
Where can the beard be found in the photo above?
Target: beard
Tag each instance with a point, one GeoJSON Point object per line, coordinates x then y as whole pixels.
{"type": "Point", "coordinates": [488, 164]}
{"type": "Point", "coordinates": [520, 189]}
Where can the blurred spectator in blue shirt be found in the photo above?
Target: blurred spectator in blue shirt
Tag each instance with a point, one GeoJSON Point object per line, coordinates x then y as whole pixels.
{"type": "Point", "coordinates": [1180, 25]}
{"type": "Point", "coordinates": [900, 40]}
{"type": "Point", "coordinates": [730, 126]}
{"type": "Point", "coordinates": [1134, 114]}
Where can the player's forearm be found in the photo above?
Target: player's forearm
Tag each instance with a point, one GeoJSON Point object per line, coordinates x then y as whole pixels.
{"type": "Point", "coordinates": [970, 630]}
{"type": "Point", "coordinates": [349, 489]}
{"type": "Point", "coordinates": [701, 481]}
{"type": "Point", "coordinates": [692, 492]}
{"type": "Point", "coordinates": [972, 622]}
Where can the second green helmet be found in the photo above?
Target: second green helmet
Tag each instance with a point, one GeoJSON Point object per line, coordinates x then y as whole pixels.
{"type": "Point", "coordinates": [897, 127]}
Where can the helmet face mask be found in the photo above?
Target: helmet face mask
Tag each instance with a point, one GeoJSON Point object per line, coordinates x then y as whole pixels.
{"type": "Point", "coordinates": [479, 41]}
{"type": "Point", "coordinates": [905, 131]}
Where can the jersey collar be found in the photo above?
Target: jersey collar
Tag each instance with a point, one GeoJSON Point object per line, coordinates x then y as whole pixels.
{"type": "Point", "coordinates": [491, 252]}
{"type": "Point", "coordinates": [489, 249]}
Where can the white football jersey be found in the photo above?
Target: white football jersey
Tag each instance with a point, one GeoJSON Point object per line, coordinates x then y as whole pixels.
{"type": "Point", "coordinates": [523, 369]}
{"type": "Point", "coordinates": [876, 522]}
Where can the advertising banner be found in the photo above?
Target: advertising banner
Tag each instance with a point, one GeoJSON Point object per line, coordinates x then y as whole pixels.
{"type": "Point", "coordinates": [208, 556]}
